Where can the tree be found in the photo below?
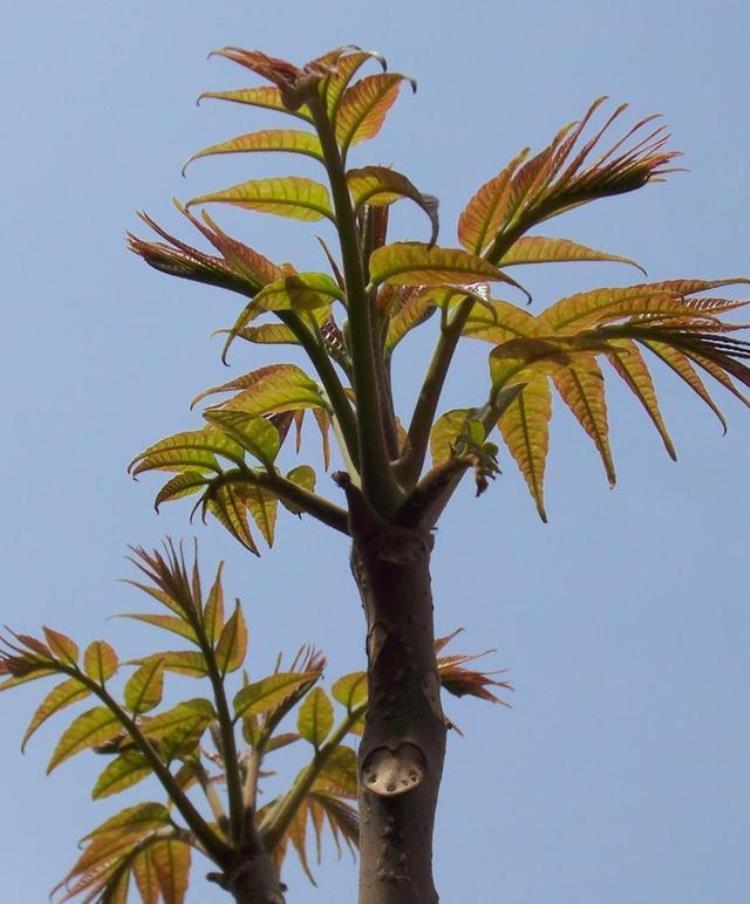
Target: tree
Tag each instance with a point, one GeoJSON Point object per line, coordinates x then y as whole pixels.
{"type": "Point", "coordinates": [393, 499]}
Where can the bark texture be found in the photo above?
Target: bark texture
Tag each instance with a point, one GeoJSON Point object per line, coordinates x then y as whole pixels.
{"type": "Point", "coordinates": [403, 747]}
{"type": "Point", "coordinates": [251, 878]}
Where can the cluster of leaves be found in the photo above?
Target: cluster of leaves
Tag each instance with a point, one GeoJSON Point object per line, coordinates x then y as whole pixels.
{"type": "Point", "coordinates": [193, 744]}
{"type": "Point", "coordinates": [384, 290]}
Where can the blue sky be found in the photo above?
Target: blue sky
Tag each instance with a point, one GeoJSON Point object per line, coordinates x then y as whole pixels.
{"type": "Point", "coordinates": [621, 772]}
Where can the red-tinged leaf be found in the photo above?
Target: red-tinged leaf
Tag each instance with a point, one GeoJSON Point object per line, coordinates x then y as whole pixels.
{"type": "Point", "coordinates": [213, 613]}
{"type": "Point", "coordinates": [16, 680]}
{"type": "Point", "coordinates": [90, 729]}
{"type": "Point", "coordinates": [412, 307]}
{"type": "Point", "coordinates": [191, 449]}
{"type": "Point", "coordinates": [70, 691]}
{"type": "Point", "coordinates": [257, 435]}
{"type": "Point", "coordinates": [414, 263]}
{"type": "Point", "coordinates": [117, 888]}
{"type": "Point", "coordinates": [483, 215]}
{"type": "Point", "coordinates": [297, 834]}
{"type": "Point", "coordinates": [315, 718]}
{"type": "Point", "coordinates": [499, 321]}
{"type": "Point", "coordinates": [227, 505]}
{"type": "Point", "coordinates": [61, 646]}
{"type": "Point", "coordinates": [269, 98]}
{"type": "Point", "coordinates": [629, 364]}
{"type": "Point", "coordinates": [681, 365]}
{"type": "Point", "coordinates": [282, 740]}
{"type": "Point", "coordinates": [145, 877]}
{"type": "Point", "coordinates": [342, 818]}
{"type": "Point", "coordinates": [716, 372]}
{"type": "Point", "coordinates": [167, 622]}
{"type": "Point", "coordinates": [540, 250]}
{"type": "Point", "coordinates": [323, 420]}
{"type": "Point", "coordinates": [191, 715]}
{"type": "Point", "coordinates": [284, 140]}
{"type": "Point", "coordinates": [171, 861]}
{"type": "Point", "coordinates": [263, 507]}
{"type": "Point", "coordinates": [351, 690]}
{"type": "Point", "coordinates": [100, 661]}
{"type": "Point", "coordinates": [121, 773]}
{"type": "Point", "coordinates": [265, 695]}
{"type": "Point", "coordinates": [445, 431]}
{"type": "Point", "coordinates": [269, 390]}
{"type": "Point", "coordinates": [267, 334]}
{"type": "Point", "coordinates": [139, 820]}
{"type": "Point", "coordinates": [379, 185]}
{"type": "Point", "coordinates": [581, 387]}
{"type": "Point", "coordinates": [364, 106]}
{"type": "Point", "coordinates": [185, 484]}
{"type": "Point", "coordinates": [300, 292]}
{"type": "Point", "coordinates": [289, 196]}
{"type": "Point", "coordinates": [181, 662]}
{"type": "Point", "coordinates": [525, 429]}
{"type": "Point", "coordinates": [145, 687]}
{"type": "Point", "coordinates": [345, 69]}
{"type": "Point", "coordinates": [232, 646]}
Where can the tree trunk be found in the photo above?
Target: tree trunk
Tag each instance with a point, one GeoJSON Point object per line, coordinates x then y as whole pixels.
{"type": "Point", "coordinates": [251, 878]}
{"type": "Point", "coordinates": [403, 746]}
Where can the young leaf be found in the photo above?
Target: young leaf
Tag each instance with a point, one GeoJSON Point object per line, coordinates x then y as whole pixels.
{"type": "Point", "coordinates": [364, 106]}
{"type": "Point", "coordinates": [268, 390]}
{"type": "Point", "coordinates": [145, 877]}
{"type": "Point", "coordinates": [185, 484]}
{"type": "Point", "coordinates": [290, 196]}
{"type": "Point", "coordinates": [525, 429]}
{"type": "Point", "coordinates": [300, 292]}
{"type": "Point", "coordinates": [379, 185]}
{"type": "Point", "coordinates": [191, 449]}
{"type": "Point", "coordinates": [255, 434]}
{"type": "Point", "coordinates": [227, 504]}
{"type": "Point", "coordinates": [90, 729]}
{"type": "Point", "coordinates": [232, 646]}
{"type": "Point", "coordinates": [126, 770]}
{"type": "Point", "coordinates": [138, 820]}
{"type": "Point", "coordinates": [181, 662]}
{"type": "Point", "coordinates": [286, 140]}
{"type": "Point", "coordinates": [61, 646]}
{"type": "Point", "coordinates": [540, 250]}
{"type": "Point", "coordinates": [269, 98]}
{"type": "Point", "coordinates": [144, 689]}
{"type": "Point", "coordinates": [194, 714]}
{"type": "Point", "coordinates": [315, 719]}
{"type": "Point", "coordinates": [445, 432]}
{"type": "Point", "coordinates": [171, 861]}
{"type": "Point", "coordinates": [167, 622]}
{"type": "Point", "coordinates": [100, 661]}
{"type": "Point", "coordinates": [265, 695]}
{"type": "Point", "coordinates": [339, 774]}
{"type": "Point", "coordinates": [263, 507]}
{"type": "Point", "coordinates": [213, 613]}
{"type": "Point", "coordinates": [70, 691]}
{"type": "Point", "coordinates": [350, 690]}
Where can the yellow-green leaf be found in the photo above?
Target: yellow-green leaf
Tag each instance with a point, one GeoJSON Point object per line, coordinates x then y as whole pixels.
{"type": "Point", "coordinates": [499, 321]}
{"type": "Point", "coordinates": [581, 387]}
{"type": "Point", "coordinates": [100, 661]}
{"type": "Point", "coordinates": [315, 718]}
{"type": "Point", "coordinates": [540, 250]}
{"type": "Point", "coordinates": [380, 185]}
{"type": "Point", "coordinates": [58, 698]}
{"type": "Point", "coordinates": [139, 820]}
{"type": "Point", "coordinates": [145, 687]}
{"type": "Point", "coordinates": [167, 622]}
{"type": "Point", "coordinates": [61, 646]}
{"type": "Point", "coordinates": [185, 484]}
{"type": "Point", "coordinates": [525, 429]}
{"type": "Point", "coordinates": [232, 646]}
{"type": "Point", "coordinates": [414, 263]}
{"type": "Point", "coordinates": [269, 390]}
{"type": "Point", "coordinates": [255, 434]}
{"type": "Point", "coordinates": [363, 107]}
{"type": "Point", "coordinates": [351, 690]}
{"type": "Point", "coordinates": [227, 505]}
{"type": "Point", "coordinates": [171, 861]}
{"type": "Point", "coordinates": [145, 877]}
{"type": "Point", "coordinates": [213, 612]}
{"type": "Point", "coordinates": [181, 662]}
{"type": "Point", "coordinates": [90, 729]}
{"type": "Point", "coordinates": [193, 448]}
{"type": "Point", "coordinates": [264, 695]}
{"type": "Point", "coordinates": [194, 714]}
{"type": "Point", "coordinates": [412, 307]}
{"type": "Point", "coordinates": [263, 506]}
{"type": "Point", "coordinates": [445, 431]}
{"type": "Point", "coordinates": [286, 140]}
{"type": "Point", "coordinates": [123, 772]}
{"type": "Point", "coordinates": [339, 774]}
{"type": "Point", "coordinates": [629, 364]}
{"type": "Point", "coordinates": [289, 196]}
{"type": "Point", "coordinates": [266, 97]}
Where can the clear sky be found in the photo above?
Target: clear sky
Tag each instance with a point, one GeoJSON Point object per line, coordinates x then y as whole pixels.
{"type": "Point", "coordinates": [621, 773]}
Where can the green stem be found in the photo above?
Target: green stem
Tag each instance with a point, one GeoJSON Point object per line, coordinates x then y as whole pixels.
{"type": "Point", "coordinates": [379, 484]}
{"type": "Point", "coordinates": [341, 405]}
{"type": "Point", "coordinates": [278, 820]}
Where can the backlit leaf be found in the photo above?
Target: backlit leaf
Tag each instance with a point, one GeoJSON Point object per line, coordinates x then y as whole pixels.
{"type": "Point", "coordinates": [193, 448]}
{"type": "Point", "coordinates": [181, 662]}
{"type": "Point", "coordinates": [100, 661]}
{"type": "Point", "coordinates": [139, 820]}
{"type": "Point", "coordinates": [192, 714]}
{"type": "Point", "coordinates": [289, 196]}
{"type": "Point", "coordinates": [299, 292]}
{"type": "Point", "coordinates": [412, 307]}
{"type": "Point", "coordinates": [255, 434]}
{"type": "Point", "coordinates": [267, 97]}
{"type": "Point", "coordinates": [581, 387]}
{"type": "Point", "coordinates": [263, 506]}
{"type": "Point", "coordinates": [232, 646]}
{"type": "Point", "coordinates": [185, 484]}
{"type": "Point", "coordinates": [61, 646]}
{"type": "Point", "coordinates": [167, 622]}
{"type": "Point", "coordinates": [90, 729]}
{"type": "Point", "coordinates": [171, 861]}
{"type": "Point", "coordinates": [263, 696]}
{"type": "Point", "coordinates": [145, 877]}
{"type": "Point", "coordinates": [339, 774]}
{"type": "Point", "coordinates": [285, 140]}
{"type": "Point", "coordinates": [364, 106]}
{"type": "Point", "coordinates": [227, 505]}
{"type": "Point", "coordinates": [315, 718]}
{"type": "Point", "coordinates": [629, 364]}
{"type": "Point", "coordinates": [414, 263]}
{"type": "Point", "coordinates": [379, 185]}
{"type": "Point", "coordinates": [144, 689]}
{"type": "Point", "coordinates": [269, 390]}
{"type": "Point", "coordinates": [70, 691]}
{"type": "Point", "coordinates": [499, 321]}
{"type": "Point", "coordinates": [213, 613]}
{"type": "Point", "coordinates": [525, 429]}
{"type": "Point", "coordinates": [540, 250]}
{"type": "Point", "coordinates": [445, 431]}
{"type": "Point", "coordinates": [123, 772]}
{"type": "Point", "coordinates": [350, 690]}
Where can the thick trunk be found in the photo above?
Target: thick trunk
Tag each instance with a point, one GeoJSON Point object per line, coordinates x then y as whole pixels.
{"type": "Point", "coordinates": [403, 747]}
{"type": "Point", "coordinates": [251, 879]}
